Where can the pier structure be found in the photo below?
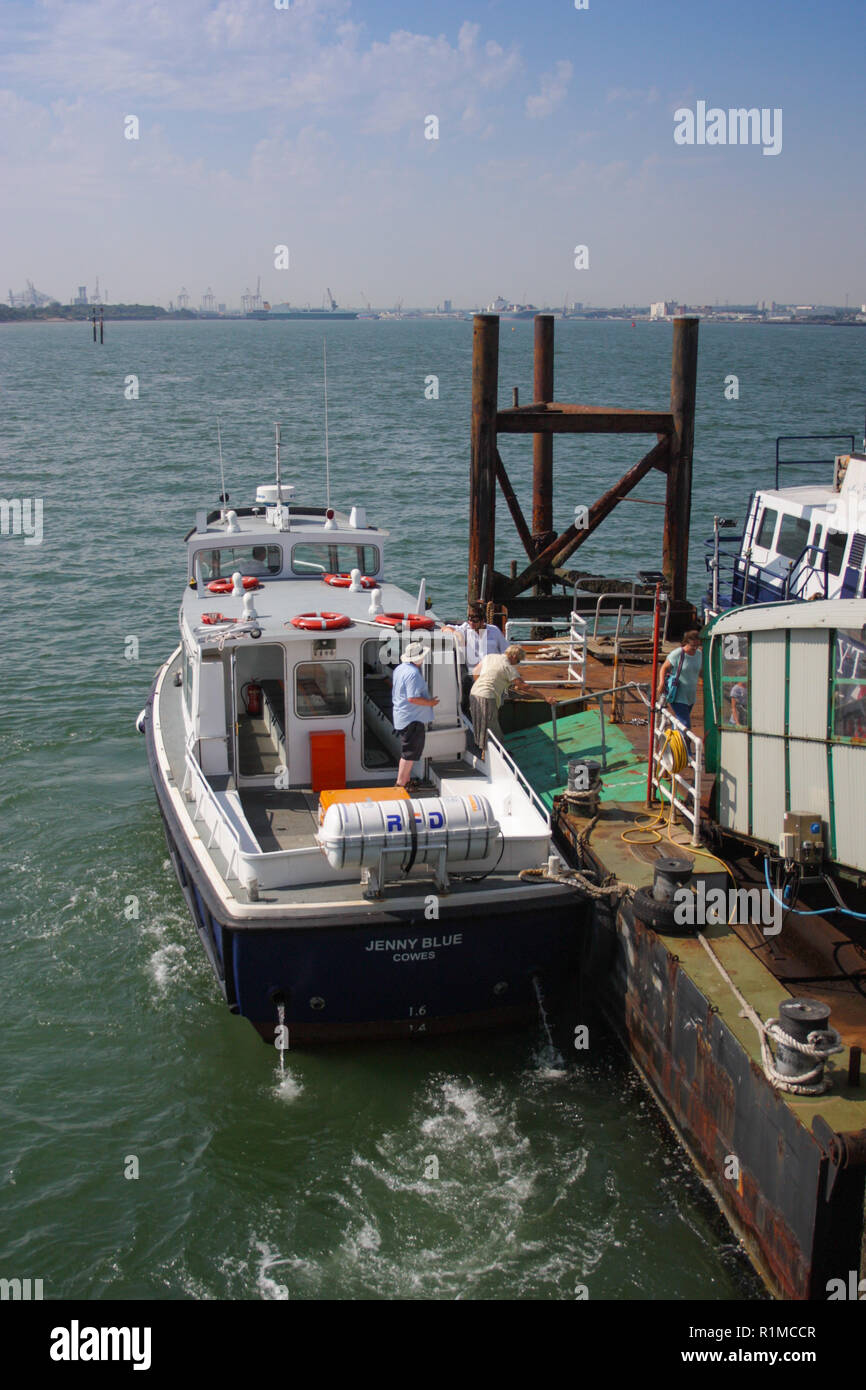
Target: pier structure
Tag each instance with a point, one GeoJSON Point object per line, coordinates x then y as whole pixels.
{"type": "Point", "coordinates": [547, 552]}
{"type": "Point", "coordinates": [692, 1002]}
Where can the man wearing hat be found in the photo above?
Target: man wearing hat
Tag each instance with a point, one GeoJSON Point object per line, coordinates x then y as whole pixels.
{"type": "Point", "coordinates": [412, 709]}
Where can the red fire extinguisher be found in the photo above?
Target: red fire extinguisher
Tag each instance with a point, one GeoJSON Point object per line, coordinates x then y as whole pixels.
{"type": "Point", "coordinates": [253, 697]}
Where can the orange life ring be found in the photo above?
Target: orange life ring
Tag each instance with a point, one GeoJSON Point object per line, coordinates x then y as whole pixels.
{"type": "Point", "coordinates": [342, 581]}
{"type": "Point", "coordinates": [411, 620]}
{"type": "Point", "coordinates": [225, 586]}
{"type": "Point", "coordinates": [211, 618]}
{"type": "Point", "coordinates": [318, 621]}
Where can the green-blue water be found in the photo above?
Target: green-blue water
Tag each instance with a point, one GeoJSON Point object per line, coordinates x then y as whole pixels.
{"type": "Point", "coordinates": [115, 1040]}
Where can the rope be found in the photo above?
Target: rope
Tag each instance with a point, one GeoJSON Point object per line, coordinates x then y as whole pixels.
{"type": "Point", "coordinates": [575, 879]}
{"type": "Point", "coordinates": [818, 1045]}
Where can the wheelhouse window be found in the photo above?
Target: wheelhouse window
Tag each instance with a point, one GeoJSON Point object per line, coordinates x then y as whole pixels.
{"type": "Point", "coordinates": [323, 690]}
{"type": "Point", "coordinates": [767, 529]}
{"type": "Point", "coordinates": [848, 717]}
{"type": "Point", "coordinates": [834, 547]}
{"type": "Point", "coordinates": [223, 561]}
{"type": "Point", "coordinates": [793, 536]}
{"type": "Point", "coordinates": [315, 558]}
{"type": "Point", "coordinates": [735, 680]}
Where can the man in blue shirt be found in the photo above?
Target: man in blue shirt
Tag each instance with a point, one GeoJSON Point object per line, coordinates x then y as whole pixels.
{"type": "Point", "coordinates": [412, 709]}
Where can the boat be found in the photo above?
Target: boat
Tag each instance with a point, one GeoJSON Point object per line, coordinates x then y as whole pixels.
{"type": "Point", "coordinates": [798, 543]}
{"type": "Point", "coordinates": [328, 900]}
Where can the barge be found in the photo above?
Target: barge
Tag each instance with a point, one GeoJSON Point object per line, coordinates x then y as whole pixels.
{"type": "Point", "coordinates": [725, 863]}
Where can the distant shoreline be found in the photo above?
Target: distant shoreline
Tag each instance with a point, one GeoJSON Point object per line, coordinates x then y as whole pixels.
{"type": "Point", "coordinates": [164, 316]}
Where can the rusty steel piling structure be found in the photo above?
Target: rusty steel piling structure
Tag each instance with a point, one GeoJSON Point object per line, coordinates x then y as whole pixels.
{"type": "Point", "coordinates": [547, 552]}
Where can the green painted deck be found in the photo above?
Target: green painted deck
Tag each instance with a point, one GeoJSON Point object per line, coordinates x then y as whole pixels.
{"type": "Point", "coordinates": [578, 735]}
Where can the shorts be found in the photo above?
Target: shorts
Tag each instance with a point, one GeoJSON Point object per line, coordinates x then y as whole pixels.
{"type": "Point", "coordinates": [412, 740]}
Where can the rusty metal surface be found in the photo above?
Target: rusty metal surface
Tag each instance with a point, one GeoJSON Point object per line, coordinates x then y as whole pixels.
{"type": "Point", "coordinates": [723, 1108]}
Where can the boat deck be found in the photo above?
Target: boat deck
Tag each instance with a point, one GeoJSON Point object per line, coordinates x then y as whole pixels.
{"type": "Point", "coordinates": [813, 957]}
{"type": "Point", "coordinates": [288, 819]}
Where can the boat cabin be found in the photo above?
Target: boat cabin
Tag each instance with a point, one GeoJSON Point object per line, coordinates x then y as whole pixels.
{"type": "Point", "coordinates": [288, 683]}
{"type": "Point", "coordinates": [803, 542]}
{"type": "Point", "coordinates": [785, 725]}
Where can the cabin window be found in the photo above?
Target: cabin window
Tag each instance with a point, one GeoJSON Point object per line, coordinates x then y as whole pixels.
{"type": "Point", "coordinates": [849, 686]}
{"type": "Point", "coordinates": [735, 680]}
{"type": "Point", "coordinates": [222, 563]}
{"type": "Point", "coordinates": [793, 536]}
{"type": "Point", "coordinates": [834, 545]}
{"type": "Point", "coordinates": [767, 529]}
{"type": "Point", "coordinates": [314, 559]}
{"type": "Point", "coordinates": [323, 691]}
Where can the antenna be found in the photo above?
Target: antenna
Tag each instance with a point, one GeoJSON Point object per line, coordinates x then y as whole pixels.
{"type": "Point", "coordinates": [223, 498]}
{"type": "Point", "coordinates": [327, 458]}
{"type": "Point", "coordinates": [277, 450]}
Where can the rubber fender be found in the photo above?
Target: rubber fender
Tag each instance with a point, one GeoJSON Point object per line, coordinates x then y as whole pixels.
{"type": "Point", "coordinates": [659, 916]}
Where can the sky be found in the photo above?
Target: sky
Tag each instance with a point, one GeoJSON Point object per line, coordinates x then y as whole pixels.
{"type": "Point", "coordinates": [304, 123]}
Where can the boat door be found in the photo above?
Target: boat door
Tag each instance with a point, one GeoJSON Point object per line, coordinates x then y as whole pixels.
{"type": "Point", "coordinates": [258, 693]}
{"type": "Point", "coordinates": [324, 725]}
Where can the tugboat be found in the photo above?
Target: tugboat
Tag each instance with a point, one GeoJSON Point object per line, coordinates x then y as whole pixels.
{"type": "Point", "coordinates": [326, 897]}
{"type": "Point", "coordinates": [798, 543]}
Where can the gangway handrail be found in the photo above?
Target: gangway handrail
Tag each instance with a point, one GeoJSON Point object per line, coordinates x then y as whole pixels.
{"type": "Point", "coordinates": [690, 808]}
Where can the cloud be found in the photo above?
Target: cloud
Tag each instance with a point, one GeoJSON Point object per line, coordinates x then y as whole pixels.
{"type": "Point", "coordinates": [554, 86]}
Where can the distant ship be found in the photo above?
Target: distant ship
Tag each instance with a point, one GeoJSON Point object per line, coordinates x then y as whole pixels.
{"type": "Point", "coordinates": [285, 311]}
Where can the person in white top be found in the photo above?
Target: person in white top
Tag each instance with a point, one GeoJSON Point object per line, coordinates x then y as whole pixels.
{"type": "Point", "coordinates": [494, 676]}
{"type": "Point", "coordinates": [476, 638]}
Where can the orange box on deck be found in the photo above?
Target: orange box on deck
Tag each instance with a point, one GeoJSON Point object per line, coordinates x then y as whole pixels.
{"type": "Point", "coordinates": [328, 760]}
{"type": "Point", "coordinates": [331, 796]}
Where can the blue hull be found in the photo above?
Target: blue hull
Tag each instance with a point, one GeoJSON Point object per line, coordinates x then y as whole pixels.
{"type": "Point", "coordinates": [398, 977]}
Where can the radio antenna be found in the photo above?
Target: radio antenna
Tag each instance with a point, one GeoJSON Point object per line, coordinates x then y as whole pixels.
{"type": "Point", "coordinates": [277, 451]}
{"type": "Point", "coordinates": [223, 498]}
{"type": "Point", "coordinates": [327, 459]}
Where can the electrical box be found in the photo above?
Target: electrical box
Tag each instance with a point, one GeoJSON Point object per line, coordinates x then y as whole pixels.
{"type": "Point", "coordinates": [803, 839]}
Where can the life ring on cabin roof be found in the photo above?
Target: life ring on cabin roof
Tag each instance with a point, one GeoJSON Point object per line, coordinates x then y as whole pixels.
{"type": "Point", "coordinates": [225, 586]}
{"type": "Point", "coordinates": [317, 621]}
{"type": "Point", "coordinates": [210, 619]}
{"type": "Point", "coordinates": [342, 581]}
{"type": "Point", "coordinates": [410, 620]}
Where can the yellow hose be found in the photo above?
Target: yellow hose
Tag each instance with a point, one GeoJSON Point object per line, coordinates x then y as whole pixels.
{"type": "Point", "coordinates": [675, 744]}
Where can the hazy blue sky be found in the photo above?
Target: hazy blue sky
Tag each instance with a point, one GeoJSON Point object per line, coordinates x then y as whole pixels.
{"type": "Point", "coordinates": [305, 126]}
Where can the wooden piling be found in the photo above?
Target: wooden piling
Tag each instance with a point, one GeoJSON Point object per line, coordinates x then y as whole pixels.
{"type": "Point", "coordinates": [482, 468]}
{"type": "Point", "coordinates": [678, 496]}
{"type": "Point", "coordinates": [542, 446]}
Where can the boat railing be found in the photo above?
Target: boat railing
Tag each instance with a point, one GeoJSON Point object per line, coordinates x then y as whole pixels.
{"type": "Point", "coordinates": [668, 781]}
{"type": "Point", "coordinates": [511, 767]}
{"type": "Point", "coordinates": [809, 462]}
{"type": "Point", "coordinates": [742, 581]}
{"type": "Point", "coordinates": [573, 639]}
{"type": "Point", "coordinates": [207, 809]}
{"type": "Point", "coordinates": [632, 612]}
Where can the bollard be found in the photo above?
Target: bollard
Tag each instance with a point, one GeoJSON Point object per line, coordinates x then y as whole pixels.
{"type": "Point", "coordinates": [799, 1018]}
{"type": "Point", "coordinates": [668, 876]}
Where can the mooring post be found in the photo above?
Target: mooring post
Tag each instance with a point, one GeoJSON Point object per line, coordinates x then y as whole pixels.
{"type": "Point", "coordinates": [678, 496]}
{"type": "Point", "coordinates": [482, 467]}
{"type": "Point", "coordinates": [542, 444]}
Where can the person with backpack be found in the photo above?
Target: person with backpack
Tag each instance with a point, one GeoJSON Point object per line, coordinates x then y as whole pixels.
{"type": "Point", "coordinates": [678, 678]}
